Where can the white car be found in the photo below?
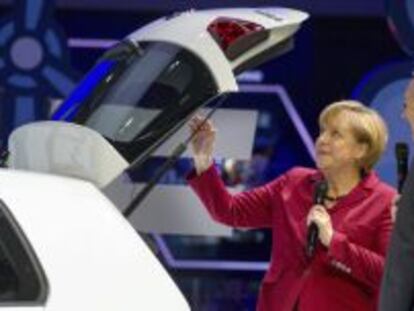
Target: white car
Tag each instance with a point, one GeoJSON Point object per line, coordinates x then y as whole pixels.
{"type": "Point", "coordinates": [63, 244]}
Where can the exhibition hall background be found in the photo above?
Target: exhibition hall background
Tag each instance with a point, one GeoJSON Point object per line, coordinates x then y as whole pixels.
{"type": "Point", "coordinates": [337, 53]}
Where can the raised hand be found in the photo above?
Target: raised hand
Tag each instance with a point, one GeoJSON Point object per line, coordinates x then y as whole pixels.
{"type": "Point", "coordinates": [202, 143]}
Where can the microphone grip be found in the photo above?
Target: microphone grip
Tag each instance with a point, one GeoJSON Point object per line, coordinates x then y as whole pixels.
{"type": "Point", "coordinates": [401, 180]}
{"type": "Point", "coordinates": [401, 154]}
{"type": "Point", "coordinates": [313, 232]}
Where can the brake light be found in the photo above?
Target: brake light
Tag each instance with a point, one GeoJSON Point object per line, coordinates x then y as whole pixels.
{"type": "Point", "coordinates": [236, 36]}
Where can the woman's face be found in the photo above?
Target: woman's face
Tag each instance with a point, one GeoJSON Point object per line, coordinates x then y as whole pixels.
{"type": "Point", "coordinates": [336, 146]}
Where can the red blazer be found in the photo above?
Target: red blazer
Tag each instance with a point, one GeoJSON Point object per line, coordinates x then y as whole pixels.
{"type": "Point", "coordinates": [344, 277]}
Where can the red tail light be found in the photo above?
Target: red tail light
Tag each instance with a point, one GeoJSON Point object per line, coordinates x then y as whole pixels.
{"type": "Point", "coordinates": [236, 36]}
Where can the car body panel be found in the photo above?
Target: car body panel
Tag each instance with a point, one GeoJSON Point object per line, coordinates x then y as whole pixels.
{"type": "Point", "coordinates": [92, 257]}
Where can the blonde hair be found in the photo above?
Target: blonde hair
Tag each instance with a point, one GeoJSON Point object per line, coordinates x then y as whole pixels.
{"type": "Point", "coordinates": [367, 127]}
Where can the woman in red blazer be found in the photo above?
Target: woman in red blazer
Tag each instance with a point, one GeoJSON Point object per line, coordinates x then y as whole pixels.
{"type": "Point", "coordinates": [354, 221]}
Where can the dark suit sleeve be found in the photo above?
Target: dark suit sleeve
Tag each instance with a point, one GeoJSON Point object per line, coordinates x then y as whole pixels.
{"type": "Point", "coordinates": [397, 290]}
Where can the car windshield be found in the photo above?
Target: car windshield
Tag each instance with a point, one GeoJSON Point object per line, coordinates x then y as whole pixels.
{"type": "Point", "coordinates": [136, 96]}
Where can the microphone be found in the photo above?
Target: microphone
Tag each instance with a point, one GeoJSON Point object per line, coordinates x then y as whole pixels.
{"type": "Point", "coordinates": [318, 198]}
{"type": "Point", "coordinates": [401, 154]}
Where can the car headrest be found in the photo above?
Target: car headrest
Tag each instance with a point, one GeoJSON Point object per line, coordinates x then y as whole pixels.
{"type": "Point", "coordinates": [66, 149]}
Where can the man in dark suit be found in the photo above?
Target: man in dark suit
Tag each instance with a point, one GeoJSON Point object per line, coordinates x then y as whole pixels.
{"type": "Point", "coordinates": [397, 290]}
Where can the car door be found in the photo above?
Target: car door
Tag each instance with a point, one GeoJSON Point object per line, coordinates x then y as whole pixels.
{"type": "Point", "coordinates": [145, 88]}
